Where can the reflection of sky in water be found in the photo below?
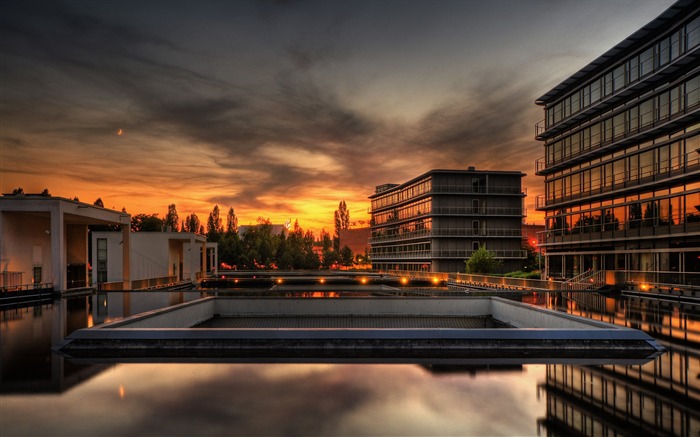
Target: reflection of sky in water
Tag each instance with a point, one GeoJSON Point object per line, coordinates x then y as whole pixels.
{"type": "Point", "coordinates": [289, 399]}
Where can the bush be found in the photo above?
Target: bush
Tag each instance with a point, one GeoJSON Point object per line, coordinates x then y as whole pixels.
{"type": "Point", "coordinates": [482, 262]}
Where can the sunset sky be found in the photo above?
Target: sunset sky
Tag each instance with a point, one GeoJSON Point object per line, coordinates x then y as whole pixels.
{"type": "Point", "coordinates": [281, 109]}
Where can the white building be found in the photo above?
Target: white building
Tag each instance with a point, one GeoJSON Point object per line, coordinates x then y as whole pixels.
{"type": "Point", "coordinates": [156, 258]}
{"type": "Point", "coordinates": [44, 241]}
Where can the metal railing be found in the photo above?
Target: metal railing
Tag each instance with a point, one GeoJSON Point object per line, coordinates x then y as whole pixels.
{"type": "Point", "coordinates": [450, 232]}
{"type": "Point", "coordinates": [479, 189]}
{"type": "Point", "coordinates": [461, 254]}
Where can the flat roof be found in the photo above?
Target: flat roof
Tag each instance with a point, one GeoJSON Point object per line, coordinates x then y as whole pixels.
{"type": "Point", "coordinates": [396, 187]}
{"type": "Point", "coordinates": [677, 11]}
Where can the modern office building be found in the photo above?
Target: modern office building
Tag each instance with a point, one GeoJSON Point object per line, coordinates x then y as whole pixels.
{"type": "Point", "coordinates": [621, 161]}
{"type": "Point", "coordinates": [434, 222]}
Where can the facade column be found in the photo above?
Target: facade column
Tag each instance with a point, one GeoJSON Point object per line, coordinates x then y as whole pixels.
{"type": "Point", "coordinates": [204, 258]}
{"type": "Point", "coordinates": [58, 248]}
{"type": "Point", "coordinates": [193, 259]}
{"type": "Point", "coordinates": [126, 261]}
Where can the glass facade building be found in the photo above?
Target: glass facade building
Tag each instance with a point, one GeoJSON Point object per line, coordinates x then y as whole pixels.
{"type": "Point", "coordinates": [434, 222]}
{"type": "Point", "coordinates": [621, 159]}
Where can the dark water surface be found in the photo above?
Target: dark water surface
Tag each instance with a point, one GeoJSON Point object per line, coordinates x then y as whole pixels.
{"type": "Point", "coordinates": [42, 393]}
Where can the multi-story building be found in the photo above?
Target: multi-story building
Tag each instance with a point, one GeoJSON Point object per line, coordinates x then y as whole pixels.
{"type": "Point", "coordinates": [622, 159]}
{"type": "Point", "coordinates": [434, 222]}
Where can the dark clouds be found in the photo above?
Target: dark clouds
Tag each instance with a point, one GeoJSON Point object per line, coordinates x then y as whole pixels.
{"type": "Point", "coordinates": [265, 105]}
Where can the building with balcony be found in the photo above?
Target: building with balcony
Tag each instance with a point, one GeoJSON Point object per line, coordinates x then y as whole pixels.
{"type": "Point", "coordinates": [622, 159]}
{"type": "Point", "coordinates": [434, 222]}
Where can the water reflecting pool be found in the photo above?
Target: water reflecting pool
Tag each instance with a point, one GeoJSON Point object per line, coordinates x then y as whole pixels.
{"type": "Point", "coordinates": [46, 394]}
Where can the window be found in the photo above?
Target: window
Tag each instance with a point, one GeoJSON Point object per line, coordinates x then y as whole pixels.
{"type": "Point", "coordinates": [692, 33]}
{"type": "Point", "coordinates": [101, 260]}
{"type": "Point", "coordinates": [692, 91]}
{"type": "Point", "coordinates": [37, 276]}
{"type": "Point", "coordinates": [664, 51]}
{"type": "Point", "coordinates": [646, 62]}
{"type": "Point", "coordinates": [475, 245]}
{"type": "Point", "coordinates": [475, 205]}
{"type": "Point", "coordinates": [619, 75]}
{"type": "Point", "coordinates": [475, 227]}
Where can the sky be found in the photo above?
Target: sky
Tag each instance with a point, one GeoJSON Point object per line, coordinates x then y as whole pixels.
{"type": "Point", "coordinates": [281, 109]}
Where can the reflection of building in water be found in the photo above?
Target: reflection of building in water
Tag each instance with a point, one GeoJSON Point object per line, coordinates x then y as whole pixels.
{"type": "Point", "coordinates": [28, 334]}
{"type": "Point", "coordinates": [662, 396]}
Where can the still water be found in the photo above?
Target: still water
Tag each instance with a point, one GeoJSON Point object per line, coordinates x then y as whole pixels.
{"type": "Point", "coordinates": [42, 393]}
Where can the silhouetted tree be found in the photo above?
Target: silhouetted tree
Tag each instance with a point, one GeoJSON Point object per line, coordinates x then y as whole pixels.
{"type": "Point", "coordinates": [172, 219]}
{"type": "Point", "coordinates": [341, 219]}
{"type": "Point", "coordinates": [45, 193]}
{"type": "Point", "coordinates": [99, 202]}
{"type": "Point", "coordinates": [214, 227]}
{"type": "Point", "coordinates": [18, 190]}
{"type": "Point", "coordinates": [146, 223]}
{"type": "Point", "coordinates": [231, 222]}
{"type": "Point", "coordinates": [191, 223]}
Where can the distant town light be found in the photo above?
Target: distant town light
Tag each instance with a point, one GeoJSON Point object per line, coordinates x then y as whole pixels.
{"type": "Point", "coordinates": [322, 280]}
{"type": "Point", "coordinates": [363, 280]}
{"type": "Point", "coordinates": [404, 281]}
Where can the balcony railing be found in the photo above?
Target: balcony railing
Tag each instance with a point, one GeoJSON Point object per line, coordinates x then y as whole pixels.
{"type": "Point", "coordinates": [479, 189]}
{"type": "Point", "coordinates": [661, 170]}
{"type": "Point", "coordinates": [449, 232]}
{"type": "Point", "coordinates": [460, 254]}
{"type": "Point", "coordinates": [518, 212]}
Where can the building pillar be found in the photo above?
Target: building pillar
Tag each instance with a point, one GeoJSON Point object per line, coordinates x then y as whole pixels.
{"type": "Point", "coordinates": [193, 260]}
{"type": "Point", "coordinates": [126, 261]}
{"type": "Point", "coordinates": [58, 249]}
{"type": "Point", "coordinates": [204, 258]}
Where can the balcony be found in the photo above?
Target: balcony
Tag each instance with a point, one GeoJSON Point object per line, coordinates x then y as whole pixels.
{"type": "Point", "coordinates": [432, 254]}
{"type": "Point", "coordinates": [449, 232]}
{"type": "Point", "coordinates": [625, 181]}
{"type": "Point", "coordinates": [478, 189]}
{"type": "Point", "coordinates": [490, 211]}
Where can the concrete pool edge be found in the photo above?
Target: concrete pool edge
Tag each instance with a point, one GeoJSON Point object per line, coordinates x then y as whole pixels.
{"type": "Point", "coordinates": [165, 333]}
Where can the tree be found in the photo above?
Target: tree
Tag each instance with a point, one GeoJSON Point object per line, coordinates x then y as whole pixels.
{"type": "Point", "coordinates": [18, 190]}
{"type": "Point", "coordinates": [45, 193]}
{"type": "Point", "coordinates": [346, 256]}
{"type": "Point", "coordinates": [214, 227]}
{"type": "Point", "coordinates": [341, 219]}
{"type": "Point", "coordinates": [99, 202]}
{"type": "Point", "coordinates": [482, 261]}
{"type": "Point", "coordinates": [231, 222]}
{"type": "Point", "coordinates": [172, 219]}
{"type": "Point", "coordinates": [191, 223]}
{"type": "Point", "coordinates": [146, 223]}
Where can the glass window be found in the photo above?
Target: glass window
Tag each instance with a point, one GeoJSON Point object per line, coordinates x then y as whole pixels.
{"type": "Point", "coordinates": [646, 113]}
{"type": "Point", "coordinates": [633, 168]}
{"type": "Point", "coordinates": [676, 155]}
{"type": "Point", "coordinates": [595, 91]}
{"type": "Point", "coordinates": [676, 100]}
{"type": "Point", "coordinates": [646, 62]}
{"type": "Point", "coordinates": [619, 75]}
{"type": "Point", "coordinates": [633, 119]}
{"type": "Point", "coordinates": [646, 163]}
{"type": "Point", "coordinates": [663, 106]}
{"type": "Point", "coordinates": [608, 83]}
{"type": "Point", "coordinates": [619, 125]}
{"type": "Point", "coordinates": [664, 51]}
{"type": "Point", "coordinates": [692, 33]}
{"type": "Point", "coordinates": [692, 91]}
{"type": "Point", "coordinates": [675, 45]}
